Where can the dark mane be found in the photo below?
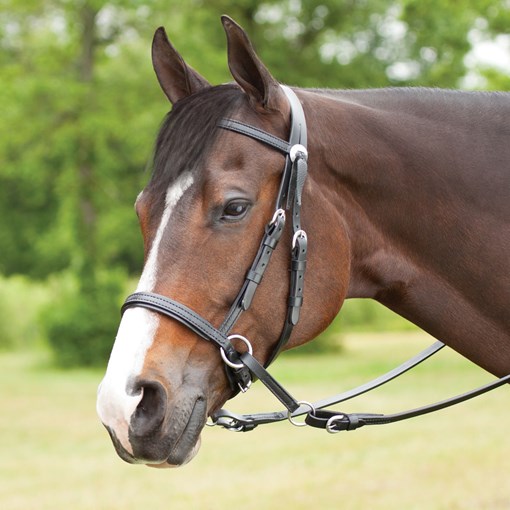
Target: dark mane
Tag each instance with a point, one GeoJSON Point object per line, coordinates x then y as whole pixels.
{"type": "Point", "coordinates": [189, 130]}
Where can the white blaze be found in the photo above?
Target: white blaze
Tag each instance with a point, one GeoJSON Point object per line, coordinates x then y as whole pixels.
{"type": "Point", "coordinates": [135, 336]}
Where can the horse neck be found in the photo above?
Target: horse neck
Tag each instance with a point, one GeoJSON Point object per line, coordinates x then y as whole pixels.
{"type": "Point", "coordinates": [406, 191]}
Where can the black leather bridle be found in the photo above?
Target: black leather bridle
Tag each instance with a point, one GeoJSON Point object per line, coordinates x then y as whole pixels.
{"type": "Point", "coordinates": [242, 368]}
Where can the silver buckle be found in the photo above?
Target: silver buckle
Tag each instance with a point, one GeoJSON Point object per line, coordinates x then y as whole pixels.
{"type": "Point", "coordinates": [332, 422]}
{"type": "Point", "coordinates": [279, 213]}
{"type": "Point", "coordinates": [301, 234]}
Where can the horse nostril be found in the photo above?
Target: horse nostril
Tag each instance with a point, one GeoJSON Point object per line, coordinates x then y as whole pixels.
{"type": "Point", "coordinates": [150, 412]}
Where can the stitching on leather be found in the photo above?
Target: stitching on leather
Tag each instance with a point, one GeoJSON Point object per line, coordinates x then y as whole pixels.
{"type": "Point", "coordinates": [254, 132]}
{"type": "Point", "coordinates": [185, 313]}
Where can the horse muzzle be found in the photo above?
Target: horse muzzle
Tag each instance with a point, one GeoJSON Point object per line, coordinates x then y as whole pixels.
{"type": "Point", "coordinates": [158, 432]}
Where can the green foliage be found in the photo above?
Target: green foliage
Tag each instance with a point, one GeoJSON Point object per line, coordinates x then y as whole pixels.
{"type": "Point", "coordinates": [356, 315]}
{"type": "Point", "coordinates": [20, 302]}
{"type": "Point", "coordinates": [365, 314]}
{"type": "Point", "coordinates": [80, 325]}
{"type": "Point", "coordinates": [81, 107]}
{"type": "Point", "coordinates": [495, 80]}
{"type": "Point", "coordinates": [81, 140]}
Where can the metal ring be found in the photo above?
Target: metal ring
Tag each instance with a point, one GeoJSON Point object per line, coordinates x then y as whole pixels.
{"type": "Point", "coordinates": [231, 424]}
{"type": "Point", "coordinates": [213, 422]}
{"type": "Point", "coordinates": [297, 423]}
{"type": "Point", "coordinates": [298, 233]}
{"type": "Point", "coordinates": [332, 421]}
{"type": "Point", "coordinates": [278, 212]}
{"type": "Point", "coordinates": [224, 355]}
{"type": "Point", "coordinates": [228, 423]}
{"type": "Point", "coordinates": [295, 149]}
{"type": "Point", "coordinates": [244, 389]}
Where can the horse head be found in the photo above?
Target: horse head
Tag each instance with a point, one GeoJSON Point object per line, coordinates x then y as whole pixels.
{"type": "Point", "coordinates": [202, 215]}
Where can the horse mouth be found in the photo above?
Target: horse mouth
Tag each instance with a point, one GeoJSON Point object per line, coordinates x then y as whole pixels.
{"type": "Point", "coordinates": [188, 443]}
{"type": "Point", "coordinates": [173, 445]}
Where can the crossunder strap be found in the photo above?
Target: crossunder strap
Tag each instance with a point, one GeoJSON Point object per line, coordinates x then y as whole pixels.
{"type": "Point", "coordinates": [270, 383]}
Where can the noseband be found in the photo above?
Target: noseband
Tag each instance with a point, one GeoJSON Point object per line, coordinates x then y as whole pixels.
{"type": "Point", "coordinates": [242, 368]}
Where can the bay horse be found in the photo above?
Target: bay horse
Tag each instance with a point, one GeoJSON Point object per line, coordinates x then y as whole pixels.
{"type": "Point", "coordinates": [406, 201]}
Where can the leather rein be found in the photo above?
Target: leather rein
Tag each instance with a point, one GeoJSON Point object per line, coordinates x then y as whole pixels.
{"type": "Point", "coordinates": [242, 367]}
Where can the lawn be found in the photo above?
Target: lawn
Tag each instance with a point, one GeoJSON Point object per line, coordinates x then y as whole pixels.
{"type": "Point", "coordinates": [54, 454]}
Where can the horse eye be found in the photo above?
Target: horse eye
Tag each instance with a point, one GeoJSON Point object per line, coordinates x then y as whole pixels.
{"type": "Point", "coordinates": [235, 210]}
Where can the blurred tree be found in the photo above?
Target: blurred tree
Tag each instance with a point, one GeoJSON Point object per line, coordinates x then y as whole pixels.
{"type": "Point", "coordinates": [81, 106]}
{"type": "Point", "coordinates": [438, 36]}
{"type": "Point", "coordinates": [73, 148]}
{"type": "Point", "coordinates": [74, 138]}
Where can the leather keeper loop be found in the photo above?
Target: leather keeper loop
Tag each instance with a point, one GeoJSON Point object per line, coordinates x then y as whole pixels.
{"type": "Point", "coordinates": [298, 265]}
{"type": "Point", "coordinates": [271, 242]}
{"type": "Point", "coordinates": [295, 301]}
{"type": "Point", "coordinates": [254, 276]}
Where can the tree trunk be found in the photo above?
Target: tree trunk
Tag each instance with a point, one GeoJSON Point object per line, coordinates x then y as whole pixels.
{"type": "Point", "coordinates": [86, 213]}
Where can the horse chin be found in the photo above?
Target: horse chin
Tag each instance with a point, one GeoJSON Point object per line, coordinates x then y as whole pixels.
{"type": "Point", "coordinates": [173, 461]}
{"type": "Point", "coordinates": [169, 463]}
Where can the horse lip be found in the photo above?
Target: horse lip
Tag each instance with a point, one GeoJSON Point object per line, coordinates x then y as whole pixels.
{"type": "Point", "coordinates": [119, 448]}
{"type": "Point", "coordinates": [187, 444]}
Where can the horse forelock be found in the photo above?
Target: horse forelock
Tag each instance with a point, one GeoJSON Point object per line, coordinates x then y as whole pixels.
{"type": "Point", "coordinates": [188, 132]}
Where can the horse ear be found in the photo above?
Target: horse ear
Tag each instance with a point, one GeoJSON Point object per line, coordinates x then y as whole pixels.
{"type": "Point", "coordinates": [248, 70]}
{"type": "Point", "coordinates": [177, 79]}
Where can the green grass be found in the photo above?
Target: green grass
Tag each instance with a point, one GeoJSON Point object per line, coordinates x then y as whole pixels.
{"type": "Point", "coordinates": [54, 454]}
